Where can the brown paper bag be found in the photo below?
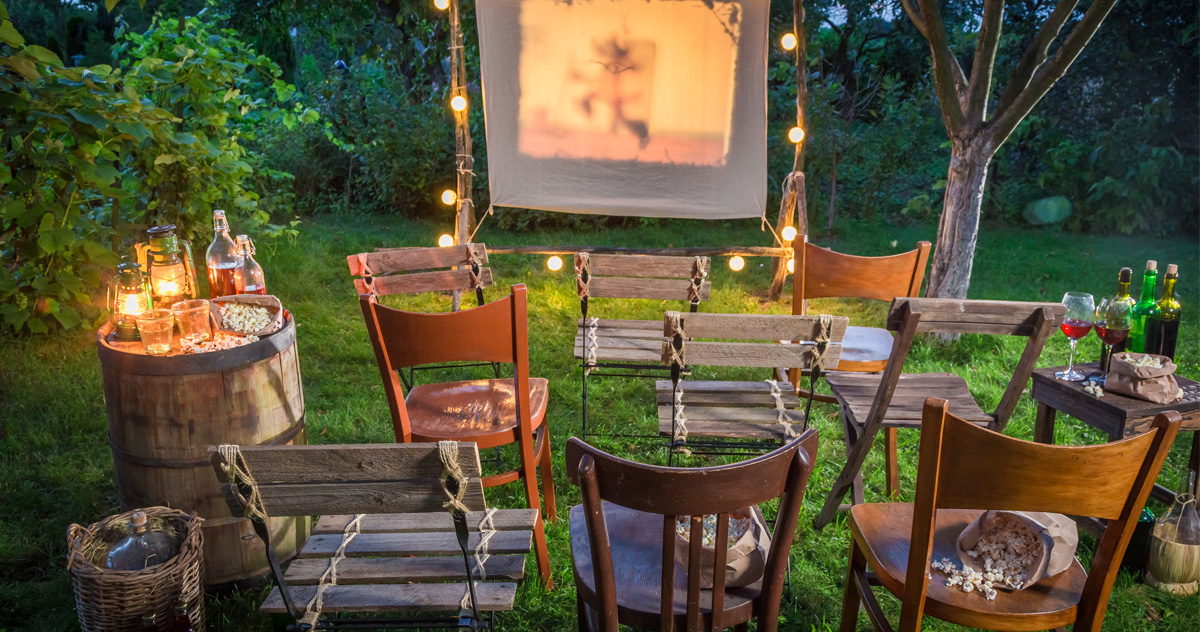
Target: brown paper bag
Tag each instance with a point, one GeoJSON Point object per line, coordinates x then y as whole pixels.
{"type": "Point", "coordinates": [1143, 382]}
{"type": "Point", "coordinates": [745, 561]}
{"type": "Point", "coordinates": [1058, 533]}
{"type": "Point", "coordinates": [274, 307]}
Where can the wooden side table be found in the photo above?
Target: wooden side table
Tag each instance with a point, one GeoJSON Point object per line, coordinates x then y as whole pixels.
{"type": "Point", "coordinates": [1114, 414]}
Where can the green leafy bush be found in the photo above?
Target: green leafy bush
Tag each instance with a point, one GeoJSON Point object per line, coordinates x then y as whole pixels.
{"type": "Point", "coordinates": [163, 136]}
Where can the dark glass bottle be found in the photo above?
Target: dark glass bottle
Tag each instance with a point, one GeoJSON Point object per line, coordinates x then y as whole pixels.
{"type": "Point", "coordinates": [141, 548]}
{"type": "Point", "coordinates": [182, 622]}
{"type": "Point", "coordinates": [1162, 327]}
{"type": "Point", "coordinates": [1123, 281]}
{"type": "Point", "coordinates": [1143, 309]}
{"type": "Point", "coordinates": [150, 623]}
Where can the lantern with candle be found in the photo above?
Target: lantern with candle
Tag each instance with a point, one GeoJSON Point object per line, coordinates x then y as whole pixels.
{"type": "Point", "coordinates": [128, 296]}
{"type": "Point", "coordinates": [172, 275]}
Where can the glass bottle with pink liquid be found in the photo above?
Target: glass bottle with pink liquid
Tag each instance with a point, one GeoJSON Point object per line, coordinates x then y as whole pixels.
{"type": "Point", "coordinates": [221, 259]}
{"type": "Point", "coordinates": [248, 278]}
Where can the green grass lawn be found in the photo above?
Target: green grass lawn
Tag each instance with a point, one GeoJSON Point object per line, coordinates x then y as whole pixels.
{"type": "Point", "coordinates": [55, 465]}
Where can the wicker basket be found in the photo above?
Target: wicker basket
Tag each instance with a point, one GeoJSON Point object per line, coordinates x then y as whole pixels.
{"type": "Point", "coordinates": [116, 601]}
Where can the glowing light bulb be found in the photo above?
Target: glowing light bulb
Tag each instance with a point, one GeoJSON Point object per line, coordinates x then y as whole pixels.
{"type": "Point", "coordinates": [445, 241]}
{"type": "Point", "coordinates": [791, 265]}
{"type": "Point", "coordinates": [788, 41]}
{"type": "Point", "coordinates": [554, 263]}
{"type": "Point", "coordinates": [459, 103]}
{"type": "Point", "coordinates": [789, 233]}
{"type": "Point", "coordinates": [796, 135]}
{"type": "Point", "coordinates": [133, 305]}
{"type": "Point", "coordinates": [736, 264]}
{"type": "Point", "coordinates": [441, 4]}
{"type": "Point", "coordinates": [449, 197]}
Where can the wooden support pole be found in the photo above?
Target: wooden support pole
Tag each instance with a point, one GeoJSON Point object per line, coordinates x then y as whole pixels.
{"type": "Point", "coordinates": [464, 162]}
{"type": "Point", "coordinates": [793, 199]}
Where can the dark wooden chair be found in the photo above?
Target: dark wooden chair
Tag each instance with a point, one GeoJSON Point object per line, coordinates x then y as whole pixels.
{"type": "Point", "coordinates": [871, 401]}
{"type": "Point", "coordinates": [623, 538]}
{"type": "Point", "coordinates": [965, 470]}
{"type": "Point", "coordinates": [391, 271]}
{"type": "Point", "coordinates": [490, 413]}
{"type": "Point", "coordinates": [823, 273]}
{"type": "Point", "coordinates": [383, 532]}
{"type": "Point", "coordinates": [740, 416]}
{"type": "Point", "coordinates": [630, 345]}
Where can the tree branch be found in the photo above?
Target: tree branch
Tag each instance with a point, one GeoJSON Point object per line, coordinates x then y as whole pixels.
{"type": "Point", "coordinates": [1035, 55]}
{"type": "Point", "coordinates": [985, 59]}
{"type": "Point", "coordinates": [916, 18]}
{"type": "Point", "coordinates": [944, 76]}
{"type": "Point", "coordinates": [1049, 74]}
{"type": "Point", "coordinates": [836, 29]}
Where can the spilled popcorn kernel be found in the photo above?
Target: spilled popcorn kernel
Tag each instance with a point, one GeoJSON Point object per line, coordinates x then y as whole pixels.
{"type": "Point", "coordinates": [220, 341]}
{"type": "Point", "coordinates": [247, 319]}
{"type": "Point", "coordinates": [1009, 550]}
{"type": "Point", "coordinates": [1093, 389]}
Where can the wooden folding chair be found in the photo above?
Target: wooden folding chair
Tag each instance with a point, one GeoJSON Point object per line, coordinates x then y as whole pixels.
{"type": "Point", "coordinates": [384, 542]}
{"type": "Point", "coordinates": [823, 273]}
{"type": "Point", "coordinates": [965, 470]}
{"type": "Point", "coordinates": [745, 416]}
{"type": "Point", "coordinates": [390, 271]}
{"type": "Point", "coordinates": [491, 413]}
{"type": "Point", "coordinates": [625, 531]}
{"type": "Point", "coordinates": [870, 401]}
{"type": "Point", "coordinates": [630, 345]}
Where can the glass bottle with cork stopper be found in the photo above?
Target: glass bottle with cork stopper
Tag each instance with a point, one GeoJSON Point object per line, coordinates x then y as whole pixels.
{"type": "Point", "coordinates": [182, 622]}
{"type": "Point", "coordinates": [143, 547]}
{"type": "Point", "coordinates": [1143, 309]}
{"type": "Point", "coordinates": [1162, 327]}
{"type": "Point", "coordinates": [221, 259]}
{"type": "Point", "coordinates": [248, 278]}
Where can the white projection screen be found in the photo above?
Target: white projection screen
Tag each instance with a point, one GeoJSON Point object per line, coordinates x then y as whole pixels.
{"type": "Point", "coordinates": [654, 108]}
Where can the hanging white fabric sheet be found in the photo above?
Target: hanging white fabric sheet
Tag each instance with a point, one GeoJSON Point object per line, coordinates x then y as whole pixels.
{"type": "Point", "coordinates": [654, 108]}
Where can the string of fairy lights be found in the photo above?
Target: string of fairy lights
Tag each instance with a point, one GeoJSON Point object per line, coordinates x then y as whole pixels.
{"type": "Point", "coordinates": [458, 103]}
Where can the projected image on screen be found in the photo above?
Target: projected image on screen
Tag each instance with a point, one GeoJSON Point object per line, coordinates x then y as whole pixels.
{"type": "Point", "coordinates": [627, 80]}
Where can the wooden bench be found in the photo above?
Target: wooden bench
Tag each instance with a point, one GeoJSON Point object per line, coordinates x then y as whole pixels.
{"type": "Point", "coordinates": [407, 552]}
{"type": "Point", "coordinates": [390, 271]}
{"type": "Point", "coordinates": [759, 414]}
{"type": "Point", "coordinates": [631, 345]}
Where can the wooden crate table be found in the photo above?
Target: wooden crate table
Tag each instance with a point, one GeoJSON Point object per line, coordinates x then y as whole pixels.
{"type": "Point", "coordinates": [1114, 414]}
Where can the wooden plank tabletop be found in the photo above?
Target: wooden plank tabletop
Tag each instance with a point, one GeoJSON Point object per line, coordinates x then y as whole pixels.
{"type": "Point", "coordinates": [1118, 415]}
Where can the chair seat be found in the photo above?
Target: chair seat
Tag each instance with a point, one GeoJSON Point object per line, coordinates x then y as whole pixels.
{"type": "Point", "coordinates": [464, 411]}
{"type": "Point", "coordinates": [856, 392]}
{"type": "Point", "coordinates": [622, 341]}
{"type": "Point", "coordinates": [636, 541]}
{"type": "Point", "coordinates": [865, 349]}
{"type": "Point", "coordinates": [742, 410]}
{"type": "Point", "coordinates": [883, 530]}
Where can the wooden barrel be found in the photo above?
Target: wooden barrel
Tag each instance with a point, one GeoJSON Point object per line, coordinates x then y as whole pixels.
{"type": "Point", "coordinates": [165, 411]}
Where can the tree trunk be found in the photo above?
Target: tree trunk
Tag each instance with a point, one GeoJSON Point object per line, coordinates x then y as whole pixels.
{"type": "Point", "coordinates": [959, 226]}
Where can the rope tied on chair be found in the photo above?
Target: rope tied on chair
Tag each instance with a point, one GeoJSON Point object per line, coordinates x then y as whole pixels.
{"type": "Point", "coordinates": [680, 425]}
{"type": "Point", "coordinates": [312, 611]}
{"type": "Point", "coordinates": [781, 411]}
{"type": "Point", "coordinates": [678, 355]}
{"type": "Point", "coordinates": [591, 342]}
{"type": "Point", "coordinates": [821, 344]}
{"type": "Point", "coordinates": [368, 275]}
{"type": "Point", "coordinates": [448, 453]}
{"type": "Point", "coordinates": [476, 267]}
{"type": "Point", "coordinates": [699, 275]}
{"type": "Point", "coordinates": [487, 529]}
{"type": "Point", "coordinates": [238, 474]}
{"type": "Point", "coordinates": [583, 273]}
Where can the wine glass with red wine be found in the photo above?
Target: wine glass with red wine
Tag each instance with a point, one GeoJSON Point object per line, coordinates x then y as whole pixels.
{"type": "Point", "coordinates": [1077, 322]}
{"type": "Point", "coordinates": [1113, 319]}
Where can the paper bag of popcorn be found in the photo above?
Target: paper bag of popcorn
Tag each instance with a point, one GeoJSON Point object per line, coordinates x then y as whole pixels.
{"type": "Point", "coordinates": [253, 314]}
{"type": "Point", "coordinates": [1016, 549]}
{"type": "Point", "coordinates": [1144, 376]}
{"type": "Point", "coordinates": [746, 557]}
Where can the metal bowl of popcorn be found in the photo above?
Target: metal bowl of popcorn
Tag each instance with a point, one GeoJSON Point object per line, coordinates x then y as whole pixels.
{"type": "Point", "coordinates": [247, 314]}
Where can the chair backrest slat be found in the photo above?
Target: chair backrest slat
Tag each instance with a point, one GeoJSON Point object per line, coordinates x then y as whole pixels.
{"type": "Point", "coordinates": [969, 316]}
{"type": "Point", "coordinates": [824, 273]}
{"type": "Point", "coordinates": [642, 277]}
{"type": "Point", "coordinates": [967, 467]}
{"type": "Point", "coordinates": [395, 270]}
{"type": "Point", "coordinates": [351, 479]}
{"type": "Point", "coordinates": [693, 492]}
{"type": "Point", "coordinates": [733, 329]}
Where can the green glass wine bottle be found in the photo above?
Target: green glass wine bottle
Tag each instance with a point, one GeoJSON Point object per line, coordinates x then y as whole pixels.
{"type": "Point", "coordinates": [1162, 327]}
{"type": "Point", "coordinates": [1123, 280]}
{"type": "Point", "coordinates": [1143, 309]}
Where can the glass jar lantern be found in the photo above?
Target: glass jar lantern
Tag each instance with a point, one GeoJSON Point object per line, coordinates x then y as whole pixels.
{"type": "Point", "coordinates": [172, 275]}
{"type": "Point", "coordinates": [128, 296]}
